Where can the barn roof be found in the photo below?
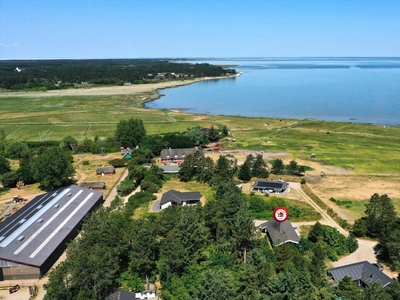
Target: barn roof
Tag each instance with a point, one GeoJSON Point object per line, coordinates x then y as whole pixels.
{"type": "Point", "coordinates": [178, 153]}
{"type": "Point", "coordinates": [33, 233]}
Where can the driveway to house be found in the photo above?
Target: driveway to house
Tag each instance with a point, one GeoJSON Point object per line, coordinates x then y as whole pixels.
{"type": "Point", "coordinates": [156, 206]}
{"type": "Point", "coordinates": [365, 249]}
{"type": "Point", "coordinates": [113, 193]}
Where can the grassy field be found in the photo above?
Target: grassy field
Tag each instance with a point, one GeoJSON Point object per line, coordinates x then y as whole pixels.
{"type": "Point", "coordinates": [359, 159]}
{"type": "Point", "coordinates": [364, 149]}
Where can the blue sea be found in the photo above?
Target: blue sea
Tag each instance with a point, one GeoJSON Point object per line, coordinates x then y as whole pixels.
{"type": "Point", "coordinates": [359, 90]}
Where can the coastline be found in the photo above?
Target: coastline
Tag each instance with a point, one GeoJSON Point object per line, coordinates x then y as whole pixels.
{"type": "Point", "coordinates": [113, 90]}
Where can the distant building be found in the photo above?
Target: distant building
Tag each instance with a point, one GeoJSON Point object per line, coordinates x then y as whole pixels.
{"type": "Point", "coordinates": [34, 237]}
{"type": "Point", "coordinates": [362, 273]}
{"type": "Point", "coordinates": [173, 197]}
{"type": "Point", "coordinates": [93, 185]}
{"type": "Point", "coordinates": [280, 232]}
{"type": "Point", "coordinates": [105, 170]}
{"type": "Point", "coordinates": [277, 187]}
{"type": "Point", "coordinates": [170, 169]}
{"type": "Point", "coordinates": [177, 155]}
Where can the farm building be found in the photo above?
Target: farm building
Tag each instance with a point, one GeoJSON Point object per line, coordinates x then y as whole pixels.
{"type": "Point", "coordinates": [277, 187]}
{"type": "Point", "coordinates": [94, 185]}
{"type": "Point", "coordinates": [362, 273]}
{"type": "Point", "coordinates": [173, 197]}
{"type": "Point", "coordinates": [280, 233]}
{"type": "Point", "coordinates": [105, 170]}
{"type": "Point", "coordinates": [33, 238]}
{"type": "Point", "coordinates": [177, 155]}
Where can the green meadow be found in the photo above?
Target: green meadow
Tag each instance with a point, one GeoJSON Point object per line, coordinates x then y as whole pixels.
{"type": "Point", "coordinates": [361, 148]}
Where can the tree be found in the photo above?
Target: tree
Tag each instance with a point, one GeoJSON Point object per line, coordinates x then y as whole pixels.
{"type": "Point", "coordinates": [215, 284]}
{"type": "Point", "coordinates": [197, 136]}
{"type": "Point", "coordinates": [15, 149]}
{"type": "Point", "coordinates": [380, 215]}
{"type": "Point", "coordinates": [130, 133]}
{"type": "Point", "coordinates": [259, 169]}
{"type": "Point", "coordinates": [245, 172]}
{"type": "Point", "coordinates": [225, 131]}
{"type": "Point", "coordinates": [292, 168]}
{"type": "Point", "coordinates": [53, 168]}
{"type": "Point", "coordinates": [278, 166]}
{"type": "Point", "coordinates": [4, 165]}
{"type": "Point", "coordinates": [213, 134]}
{"type": "Point", "coordinates": [67, 142]}
{"type": "Point", "coordinates": [348, 289]}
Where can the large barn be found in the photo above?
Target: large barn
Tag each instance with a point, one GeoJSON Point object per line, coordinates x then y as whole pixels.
{"type": "Point", "coordinates": [32, 239]}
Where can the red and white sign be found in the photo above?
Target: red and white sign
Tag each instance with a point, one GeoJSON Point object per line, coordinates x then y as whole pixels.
{"type": "Point", "coordinates": [280, 214]}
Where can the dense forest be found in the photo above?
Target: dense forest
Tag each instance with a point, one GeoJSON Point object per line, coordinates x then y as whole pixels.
{"type": "Point", "coordinates": [59, 74]}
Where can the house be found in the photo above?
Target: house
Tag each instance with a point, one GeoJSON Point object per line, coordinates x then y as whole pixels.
{"type": "Point", "coordinates": [127, 156]}
{"type": "Point", "coordinates": [105, 170]}
{"type": "Point", "coordinates": [173, 197]}
{"type": "Point", "coordinates": [277, 187]}
{"type": "Point", "coordinates": [177, 155]}
{"type": "Point", "coordinates": [362, 273]}
{"type": "Point", "coordinates": [280, 232]}
{"type": "Point", "coordinates": [94, 185]}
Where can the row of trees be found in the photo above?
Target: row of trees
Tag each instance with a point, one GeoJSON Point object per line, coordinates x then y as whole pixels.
{"type": "Point", "coordinates": [51, 167]}
{"type": "Point", "coordinates": [55, 74]}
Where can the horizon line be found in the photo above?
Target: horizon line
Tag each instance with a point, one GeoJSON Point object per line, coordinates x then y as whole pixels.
{"type": "Point", "coordinates": [209, 58]}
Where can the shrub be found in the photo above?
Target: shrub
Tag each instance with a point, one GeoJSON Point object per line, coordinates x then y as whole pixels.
{"type": "Point", "coordinates": [85, 163]}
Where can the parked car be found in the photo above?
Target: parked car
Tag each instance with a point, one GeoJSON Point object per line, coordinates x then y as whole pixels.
{"type": "Point", "coordinates": [379, 266]}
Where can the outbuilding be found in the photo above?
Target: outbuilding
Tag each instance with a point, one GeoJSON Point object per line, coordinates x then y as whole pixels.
{"type": "Point", "coordinates": [105, 170]}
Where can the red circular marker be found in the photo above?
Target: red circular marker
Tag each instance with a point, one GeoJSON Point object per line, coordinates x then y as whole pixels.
{"type": "Point", "coordinates": [280, 214]}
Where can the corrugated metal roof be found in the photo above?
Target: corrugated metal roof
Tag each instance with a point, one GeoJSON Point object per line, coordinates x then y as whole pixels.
{"type": "Point", "coordinates": [42, 238]}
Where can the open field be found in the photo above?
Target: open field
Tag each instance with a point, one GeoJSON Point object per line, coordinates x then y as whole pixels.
{"type": "Point", "coordinates": [359, 160]}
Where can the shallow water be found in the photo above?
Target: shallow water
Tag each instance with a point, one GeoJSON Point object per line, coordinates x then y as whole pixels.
{"type": "Point", "coordinates": [351, 90]}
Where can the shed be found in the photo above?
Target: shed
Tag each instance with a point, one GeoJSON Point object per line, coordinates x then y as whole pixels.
{"type": "Point", "coordinates": [94, 185]}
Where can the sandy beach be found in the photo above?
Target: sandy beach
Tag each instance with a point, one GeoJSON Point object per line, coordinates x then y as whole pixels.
{"type": "Point", "coordinates": [109, 90]}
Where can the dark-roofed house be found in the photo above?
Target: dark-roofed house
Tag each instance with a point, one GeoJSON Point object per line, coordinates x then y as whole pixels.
{"type": "Point", "coordinates": [33, 238]}
{"type": "Point", "coordinates": [277, 187]}
{"type": "Point", "coordinates": [177, 155]}
{"type": "Point", "coordinates": [94, 185]}
{"type": "Point", "coordinates": [173, 197]}
{"type": "Point", "coordinates": [363, 273]}
{"type": "Point", "coordinates": [105, 170]}
{"type": "Point", "coordinates": [280, 233]}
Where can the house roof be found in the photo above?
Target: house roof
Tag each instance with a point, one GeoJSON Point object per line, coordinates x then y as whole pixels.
{"type": "Point", "coordinates": [33, 233]}
{"type": "Point", "coordinates": [121, 295]}
{"type": "Point", "coordinates": [170, 169]}
{"type": "Point", "coordinates": [93, 185]}
{"type": "Point", "coordinates": [270, 185]}
{"type": "Point", "coordinates": [178, 153]}
{"type": "Point", "coordinates": [105, 170]}
{"type": "Point", "coordinates": [179, 197]}
{"type": "Point", "coordinates": [280, 233]}
{"type": "Point", "coordinates": [363, 271]}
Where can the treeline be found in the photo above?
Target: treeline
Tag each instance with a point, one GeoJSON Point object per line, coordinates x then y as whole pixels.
{"type": "Point", "coordinates": [59, 74]}
{"type": "Point", "coordinates": [195, 252]}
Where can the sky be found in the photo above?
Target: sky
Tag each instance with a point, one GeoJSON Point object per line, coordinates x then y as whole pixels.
{"type": "Point", "coordinates": [198, 28]}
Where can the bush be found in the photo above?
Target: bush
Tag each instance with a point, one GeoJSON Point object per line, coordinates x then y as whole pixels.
{"type": "Point", "coordinates": [303, 181]}
{"type": "Point", "coordinates": [85, 163]}
{"type": "Point", "coordinates": [118, 162]}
